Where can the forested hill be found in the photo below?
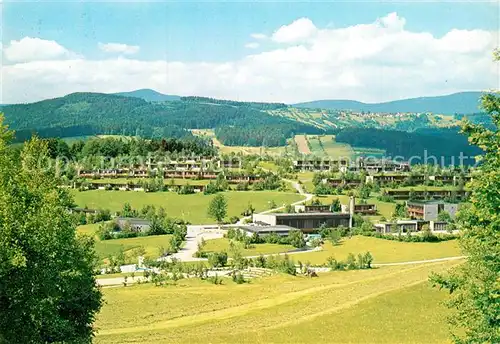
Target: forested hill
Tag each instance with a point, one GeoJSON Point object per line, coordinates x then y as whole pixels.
{"type": "Point", "coordinates": [149, 95]}
{"type": "Point", "coordinates": [457, 103]}
{"type": "Point", "coordinates": [79, 114]}
{"type": "Point", "coordinates": [444, 144]}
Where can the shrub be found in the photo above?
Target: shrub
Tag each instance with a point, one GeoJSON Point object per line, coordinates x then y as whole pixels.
{"type": "Point", "coordinates": [217, 259]}
{"type": "Point", "coordinates": [238, 278]}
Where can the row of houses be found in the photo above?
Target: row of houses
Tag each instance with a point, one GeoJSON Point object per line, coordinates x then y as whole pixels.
{"type": "Point", "coordinates": [128, 186]}
{"type": "Point", "coordinates": [361, 209]}
{"type": "Point", "coordinates": [436, 194]}
{"type": "Point", "coordinates": [385, 179]}
{"type": "Point", "coordinates": [345, 165]}
{"type": "Point", "coordinates": [405, 226]}
{"type": "Point", "coordinates": [417, 179]}
{"type": "Point", "coordinates": [169, 174]}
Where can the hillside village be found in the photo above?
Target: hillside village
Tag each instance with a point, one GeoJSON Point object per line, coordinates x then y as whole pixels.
{"type": "Point", "coordinates": [249, 172]}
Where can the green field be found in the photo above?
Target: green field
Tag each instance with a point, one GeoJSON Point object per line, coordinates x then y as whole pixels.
{"type": "Point", "coordinates": [368, 152]}
{"type": "Point", "coordinates": [192, 208]}
{"type": "Point", "coordinates": [217, 245]}
{"type": "Point", "coordinates": [334, 149]}
{"type": "Point", "coordinates": [383, 251]}
{"type": "Point", "coordinates": [209, 133]}
{"type": "Point", "coordinates": [325, 146]}
{"type": "Point", "coordinates": [108, 248]}
{"type": "Point", "coordinates": [385, 305]}
{"type": "Point", "coordinates": [306, 179]}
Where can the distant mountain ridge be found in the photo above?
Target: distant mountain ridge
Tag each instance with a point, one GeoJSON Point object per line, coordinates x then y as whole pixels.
{"type": "Point", "coordinates": [149, 95]}
{"type": "Point", "coordinates": [461, 103]}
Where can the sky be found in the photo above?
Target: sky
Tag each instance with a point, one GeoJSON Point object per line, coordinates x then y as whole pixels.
{"type": "Point", "coordinates": [289, 52]}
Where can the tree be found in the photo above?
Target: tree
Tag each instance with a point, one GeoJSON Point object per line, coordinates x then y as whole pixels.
{"type": "Point", "coordinates": [217, 259]}
{"type": "Point", "coordinates": [336, 206]}
{"type": "Point", "coordinates": [475, 285]}
{"type": "Point", "coordinates": [334, 237]}
{"type": "Point", "coordinates": [217, 209]}
{"type": "Point", "coordinates": [48, 290]}
{"type": "Point", "coordinates": [444, 216]}
{"type": "Point", "coordinates": [296, 238]}
{"type": "Point", "coordinates": [272, 204]}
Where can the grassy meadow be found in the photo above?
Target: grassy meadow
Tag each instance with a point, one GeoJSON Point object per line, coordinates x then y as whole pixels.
{"type": "Point", "coordinates": [192, 208]}
{"type": "Point", "coordinates": [382, 250]}
{"type": "Point", "coordinates": [384, 305]}
{"type": "Point", "coordinates": [107, 248]}
{"type": "Point", "coordinates": [209, 133]}
{"type": "Point", "coordinates": [222, 244]}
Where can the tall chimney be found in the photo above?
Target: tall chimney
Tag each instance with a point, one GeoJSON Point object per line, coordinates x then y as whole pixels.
{"type": "Point", "coordinates": [351, 210]}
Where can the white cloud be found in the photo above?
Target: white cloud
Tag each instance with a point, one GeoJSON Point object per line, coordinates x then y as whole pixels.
{"type": "Point", "coordinates": [298, 31]}
{"type": "Point", "coordinates": [35, 49]}
{"type": "Point", "coordinates": [119, 48]}
{"type": "Point", "coordinates": [393, 22]}
{"type": "Point", "coordinates": [371, 62]}
{"type": "Point", "coordinates": [252, 45]}
{"type": "Point", "coordinates": [258, 36]}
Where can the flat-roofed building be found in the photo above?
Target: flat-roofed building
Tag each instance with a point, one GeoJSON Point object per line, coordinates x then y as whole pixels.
{"type": "Point", "coordinates": [361, 209]}
{"type": "Point", "coordinates": [429, 211]}
{"type": "Point", "coordinates": [280, 230]}
{"type": "Point", "coordinates": [306, 222]}
{"type": "Point", "coordinates": [312, 208]}
{"type": "Point", "coordinates": [402, 226]}
{"type": "Point", "coordinates": [136, 224]}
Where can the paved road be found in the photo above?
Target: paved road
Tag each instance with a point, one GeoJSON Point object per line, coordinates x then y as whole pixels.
{"type": "Point", "coordinates": [194, 235]}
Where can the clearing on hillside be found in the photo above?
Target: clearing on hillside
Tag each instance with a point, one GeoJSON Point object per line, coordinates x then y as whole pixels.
{"type": "Point", "coordinates": [248, 150]}
{"type": "Point", "coordinates": [302, 145]}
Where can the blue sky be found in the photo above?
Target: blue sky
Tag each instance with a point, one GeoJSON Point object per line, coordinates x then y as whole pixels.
{"type": "Point", "coordinates": [214, 31]}
{"type": "Point", "coordinates": [369, 51]}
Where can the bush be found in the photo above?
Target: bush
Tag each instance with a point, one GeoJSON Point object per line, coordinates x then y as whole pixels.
{"type": "Point", "coordinates": [186, 190]}
{"type": "Point", "coordinates": [238, 278]}
{"type": "Point", "coordinates": [215, 280]}
{"type": "Point", "coordinates": [217, 259]}
{"type": "Point", "coordinates": [364, 261]}
{"type": "Point", "coordinates": [296, 239]}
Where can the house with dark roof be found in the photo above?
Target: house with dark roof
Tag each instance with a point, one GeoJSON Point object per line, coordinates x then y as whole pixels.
{"type": "Point", "coordinates": [135, 224]}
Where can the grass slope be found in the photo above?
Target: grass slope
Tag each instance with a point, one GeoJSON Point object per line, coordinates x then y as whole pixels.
{"type": "Point", "coordinates": [351, 306]}
{"type": "Point", "coordinates": [192, 208]}
{"type": "Point", "coordinates": [217, 245]}
{"type": "Point", "coordinates": [107, 248]}
{"type": "Point", "coordinates": [383, 251]}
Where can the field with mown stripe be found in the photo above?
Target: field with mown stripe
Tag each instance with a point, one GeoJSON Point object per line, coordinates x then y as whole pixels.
{"type": "Point", "coordinates": [385, 305]}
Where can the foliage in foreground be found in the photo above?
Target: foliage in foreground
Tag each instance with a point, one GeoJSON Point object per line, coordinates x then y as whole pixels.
{"type": "Point", "coordinates": [475, 285]}
{"type": "Point", "coordinates": [48, 291]}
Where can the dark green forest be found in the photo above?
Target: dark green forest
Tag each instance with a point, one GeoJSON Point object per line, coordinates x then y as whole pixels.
{"type": "Point", "coordinates": [135, 147]}
{"type": "Point", "coordinates": [438, 142]}
{"type": "Point", "coordinates": [82, 114]}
